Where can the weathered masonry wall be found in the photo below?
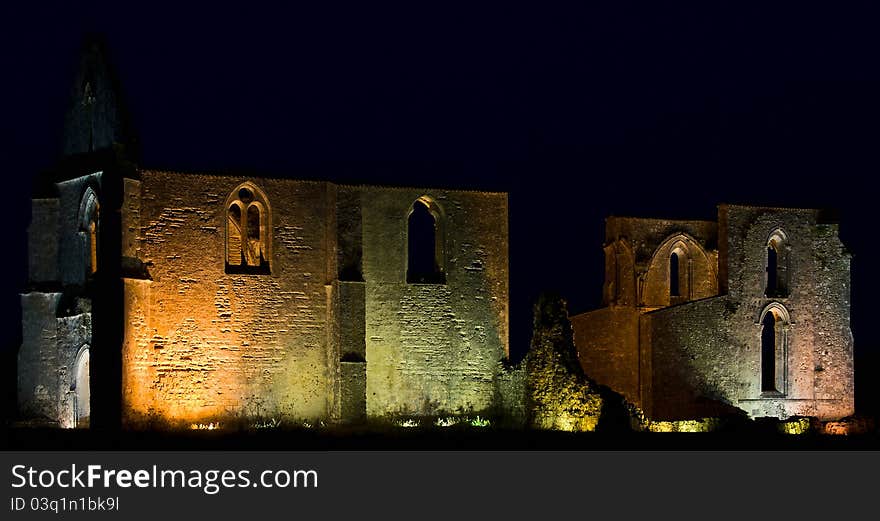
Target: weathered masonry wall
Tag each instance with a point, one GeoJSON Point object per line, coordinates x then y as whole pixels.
{"type": "Point", "coordinates": [56, 308]}
{"type": "Point", "coordinates": [72, 239]}
{"type": "Point", "coordinates": [333, 330]}
{"type": "Point", "coordinates": [637, 255]}
{"type": "Point", "coordinates": [48, 357]}
{"type": "Point", "coordinates": [645, 235]}
{"type": "Point", "coordinates": [817, 298]}
{"type": "Point", "coordinates": [702, 356]}
{"type": "Point", "coordinates": [435, 348]}
{"type": "Point", "coordinates": [698, 363]}
{"type": "Point", "coordinates": [75, 337]}
{"type": "Point", "coordinates": [38, 356]}
{"type": "Point", "coordinates": [607, 341]}
{"type": "Point", "coordinates": [206, 344]}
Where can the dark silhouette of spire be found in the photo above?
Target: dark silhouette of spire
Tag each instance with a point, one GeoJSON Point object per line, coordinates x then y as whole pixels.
{"type": "Point", "coordinates": [96, 119]}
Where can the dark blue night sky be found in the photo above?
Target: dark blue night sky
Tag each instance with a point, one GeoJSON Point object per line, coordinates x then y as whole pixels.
{"type": "Point", "coordinates": [579, 113]}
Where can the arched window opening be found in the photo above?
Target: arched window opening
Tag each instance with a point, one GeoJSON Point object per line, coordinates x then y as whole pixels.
{"type": "Point", "coordinates": [772, 269]}
{"type": "Point", "coordinates": [674, 290]}
{"type": "Point", "coordinates": [233, 236]}
{"type": "Point", "coordinates": [248, 240]}
{"type": "Point", "coordinates": [89, 230]}
{"type": "Point", "coordinates": [775, 323]}
{"type": "Point", "coordinates": [424, 244]}
{"type": "Point", "coordinates": [93, 246]}
{"type": "Point", "coordinates": [768, 353]}
{"type": "Point", "coordinates": [777, 265]}
{"type": "Point", "coordinates": [253, 222]}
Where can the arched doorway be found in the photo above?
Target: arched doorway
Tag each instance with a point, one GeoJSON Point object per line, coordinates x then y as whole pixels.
{"type": "Point", "coordinates": [81, 389]}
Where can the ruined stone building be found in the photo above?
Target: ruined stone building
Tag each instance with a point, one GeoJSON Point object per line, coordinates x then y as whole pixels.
{"type": "Point", "coordinates": [750, 313]}
{"type": "Point", "coordinates": [160, 298]}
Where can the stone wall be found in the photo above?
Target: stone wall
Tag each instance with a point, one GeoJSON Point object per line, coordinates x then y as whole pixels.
{"type": "Point", "coordinates": [607, 342]}
{"type": "Point", "coordinates": [333, 330]}
{"type": "Point", "coordinates": [72, 239]}
{"type": "Point", "coordinates": [698, 277]}
{"type": "Point", "coordinates": [637, 261]}
{"type": "Point", "coordinates": [817, 298]}
{"type": "Point", "coordinates": [56, 309]}
{"type": "Point", "coordinates": [698, 363]}
{"type": "Point", "coordinates": [38, 357]}
{"type": "Point", "coordinates": [224, 346]}
{"type": "Point", "coordinates": [435, 348]}
{"type": "Point", "coordinates": [75, 337]}
{"type": "Point", "coordinates": [645, 235]}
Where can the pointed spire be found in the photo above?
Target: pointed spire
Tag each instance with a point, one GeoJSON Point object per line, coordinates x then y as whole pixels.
{"type": "Point", "coordinates": [96, 119]}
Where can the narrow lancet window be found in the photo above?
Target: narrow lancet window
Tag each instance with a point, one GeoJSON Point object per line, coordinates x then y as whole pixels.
{"type": "Point", "coordinates": [777, 276]}
{"type": "Point", "coordinates": [768, 353]}
{"type": "Point", "coordinates": [233, 236]}
{"type": "Point", "coordinates": [254, 250]}
{"type": "Point", "coordinates": [772, 270]}
{"type": "Point", "coordinates": [674, 290]}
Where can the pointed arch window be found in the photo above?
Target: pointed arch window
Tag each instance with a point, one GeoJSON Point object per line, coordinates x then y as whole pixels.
{"type": "Point", "coordinates": [248, 231]}
{"type": "Point", "coordinates": [679, 282]}
{"type": "Point", "coordinates": [768, 353]}
{"type": "Point", "coordinates": [425, 243]}
{"type": "Point", "coordinates": [774, 346]}
{"type": "Point", "coordinates": [674, 290]}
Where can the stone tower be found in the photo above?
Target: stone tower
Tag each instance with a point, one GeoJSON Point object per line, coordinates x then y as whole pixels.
{"type": "Point", "coordinates": [96, 118]}
{"type": "Point", "coordinates": [73, 273]}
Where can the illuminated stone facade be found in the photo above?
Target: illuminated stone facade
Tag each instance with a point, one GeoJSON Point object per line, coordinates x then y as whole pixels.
{"type": "Point", "coordinates": [702, 318]}
{"type": "Point", "coordinates": [159, 299]}
{"type": "Point", "coordinates": [320, 325]}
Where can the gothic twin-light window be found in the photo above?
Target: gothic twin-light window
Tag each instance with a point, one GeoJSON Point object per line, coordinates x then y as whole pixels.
{"type": "Point", "coordinates": [248, 241]}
